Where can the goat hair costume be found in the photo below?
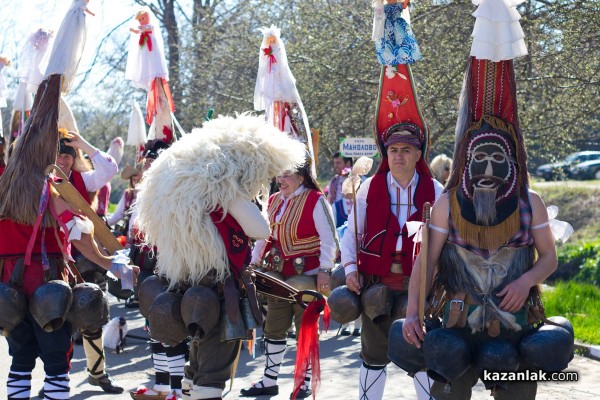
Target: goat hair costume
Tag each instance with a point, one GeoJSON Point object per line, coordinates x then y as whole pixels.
{"type": "Point", "coordinates": [226, 159]}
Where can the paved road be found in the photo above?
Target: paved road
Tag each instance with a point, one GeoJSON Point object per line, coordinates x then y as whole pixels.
{"type": "Point", "coordinates": [339, 373]}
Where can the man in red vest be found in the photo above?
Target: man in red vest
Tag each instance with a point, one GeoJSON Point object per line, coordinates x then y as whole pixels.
{"type": "Point", "coordinates": [88, 181]}
{"type": "Point", "coordinates": [384, 204]}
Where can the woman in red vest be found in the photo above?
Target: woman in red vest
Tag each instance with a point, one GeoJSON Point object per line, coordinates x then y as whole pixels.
{"type": "Point", "coordinates": [303, 244]}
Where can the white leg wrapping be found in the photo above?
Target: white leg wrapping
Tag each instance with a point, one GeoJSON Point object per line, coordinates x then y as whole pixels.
{"type": "Point", "coordinates": [94, 354]}
{"type": "Point", "coordinates": [56, 387]}
{"type": "Point", "coordinates": [307, 378]}
{"type": "Point", "coordinates": [275, 350]}
{"type": "Point", "coordinates": [423, 386]}
{"type": "Point", "coordinates": [18, 385]}
{"type": "Point", "coordinates": [186, 388]}
{"type": "Point", "coordinates": [205, 392]}
{"type": "Point", "coordinates": [371, 382]}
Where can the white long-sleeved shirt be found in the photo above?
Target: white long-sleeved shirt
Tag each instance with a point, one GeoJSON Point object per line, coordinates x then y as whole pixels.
{"type": "Point", "coordinates": [323, 218]}
{"type": "Point", "coordinates": [119, 213]}
{"type": "Point", "coordinates": [400, 199]}
{"type": "Point", "coordinates": [105, 168]}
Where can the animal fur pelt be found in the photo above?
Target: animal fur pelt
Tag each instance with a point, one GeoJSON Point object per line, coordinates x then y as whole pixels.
{"type": "Point", "coordinates": [22, 182]}
{"type": "Point", "coordinates": [227, 158]}
{"type": "Point", "coordinates": [461, 271]}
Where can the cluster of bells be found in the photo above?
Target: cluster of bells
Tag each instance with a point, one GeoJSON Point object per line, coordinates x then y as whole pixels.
{"type": "Point", "coordinates": [174, 313]}
{"type": "Point", "coordinates": [85, 306]}
{"type": "Point", "coordinates": [447, 354]}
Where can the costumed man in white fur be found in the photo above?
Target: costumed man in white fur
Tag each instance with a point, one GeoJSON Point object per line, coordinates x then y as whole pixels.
{"type": "Point", "coordinates": [204, 185]}
{"type": "Point", "coordinates": [490, 239]}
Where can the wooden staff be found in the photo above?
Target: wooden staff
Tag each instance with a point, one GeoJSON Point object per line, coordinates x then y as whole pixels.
{"type": "Point", "coordinates": [74, 199]}
{"type": "Point", "coordinates": [355, 223]}
{"type": "Point", "coordinates": [423, 252]}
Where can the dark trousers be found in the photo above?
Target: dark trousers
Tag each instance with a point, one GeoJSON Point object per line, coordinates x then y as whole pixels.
{"type": "Point", "coordinates": [374, 336]}
{"type": "Point", "coordinates": [280, 315]}
{"type": "Point", "coordinates": [28, 341]}
{"type": "Point", "coordinates": [211, 359]}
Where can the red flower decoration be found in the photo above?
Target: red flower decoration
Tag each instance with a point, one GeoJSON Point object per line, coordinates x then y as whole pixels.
{"type": "Point", "coordinates": [269, 53]}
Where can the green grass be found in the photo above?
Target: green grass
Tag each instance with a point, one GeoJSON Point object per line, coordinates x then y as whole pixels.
{"type": "Point", "coordinates": [578, 205]}
{"type": "Point", "coordinates": [111, 208]}
{"type": "Point", "coordinates": [580, 303]}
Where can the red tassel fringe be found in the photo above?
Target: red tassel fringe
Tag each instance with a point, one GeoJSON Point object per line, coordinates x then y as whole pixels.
{"type": "Point", "coordinates": [308, 346]}
{"type": "Point", "coordinates": [153, 99]}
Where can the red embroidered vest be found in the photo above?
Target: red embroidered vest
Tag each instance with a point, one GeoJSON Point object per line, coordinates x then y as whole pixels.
{"type": "Point", "coordinates": [382, 228]}
{"type": "Point", "coordinates": [77, 180]}
{"type": "Point", "coordinates": [235, 239]}
{"type": "Point", "coordinates": [103, 199]}
{"type": "Point", "coordinates": [296, 234]}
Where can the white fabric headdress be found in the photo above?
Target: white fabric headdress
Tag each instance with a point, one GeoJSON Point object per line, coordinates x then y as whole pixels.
{"type": "Point", "coordinates": [29, 73]}
{"type": "Point", "coordinates": [143, 64]}
{"type": "Point", "coordinates": [136, 133]}
{"type": "Point", "coordinates": [115, 150]}
{"type": "Point", "coordinates": [68, 45]}
{"type": "Point", "coordinates": [274, 81]}
{"type": "Point", "coordinates": [66, 118]}
{"type": "Point", "coordinates": [497, 34]}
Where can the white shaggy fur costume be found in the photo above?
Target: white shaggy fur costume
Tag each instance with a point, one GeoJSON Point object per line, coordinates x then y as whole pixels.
{"type": "Point", "coordinates": [228, 158]}
{"type": "Point", "coordinates": [225, 164]}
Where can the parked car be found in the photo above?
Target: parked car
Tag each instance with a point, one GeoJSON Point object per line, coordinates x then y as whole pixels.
{"type": "Point", "coordinates": [586, 170]}
{"type": "Point", "coordinates": [562, 169]}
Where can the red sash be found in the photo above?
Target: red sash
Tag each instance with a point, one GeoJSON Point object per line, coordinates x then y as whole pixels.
{"type": "Point", "coordinates": [235, 239]}
{"type": "Point", "coordinates": [382, 229]}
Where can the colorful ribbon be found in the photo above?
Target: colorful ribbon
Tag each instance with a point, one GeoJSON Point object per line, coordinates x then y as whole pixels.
{"type": "Point", "coordinates": [145, 38]}
{"type": "Point", "coordinates": [269, 53]}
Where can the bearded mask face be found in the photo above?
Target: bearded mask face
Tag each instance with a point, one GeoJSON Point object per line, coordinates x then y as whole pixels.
{"type": "Point", "coordinates": [490, 165]}
{"type": "Point", "coordinates": [490, 175]}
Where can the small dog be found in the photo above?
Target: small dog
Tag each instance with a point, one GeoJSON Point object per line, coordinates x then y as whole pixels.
{"type": "Point", "coordinates": [114, 334]}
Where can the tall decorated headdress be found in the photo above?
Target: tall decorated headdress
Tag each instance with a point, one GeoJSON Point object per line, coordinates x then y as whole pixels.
{"type": "Point", "coordinates": [30, 76]}
{"type": "Point", "coordinates": [24, 188]}
{"type": "Point", "coordinates": [147, 69]}
{"type": "Point", "coordinates": [398, 116]}
{"type": "Point", "coordinates": [275, 91]}
{"type": "Point", "coordinates": [489, 156]}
